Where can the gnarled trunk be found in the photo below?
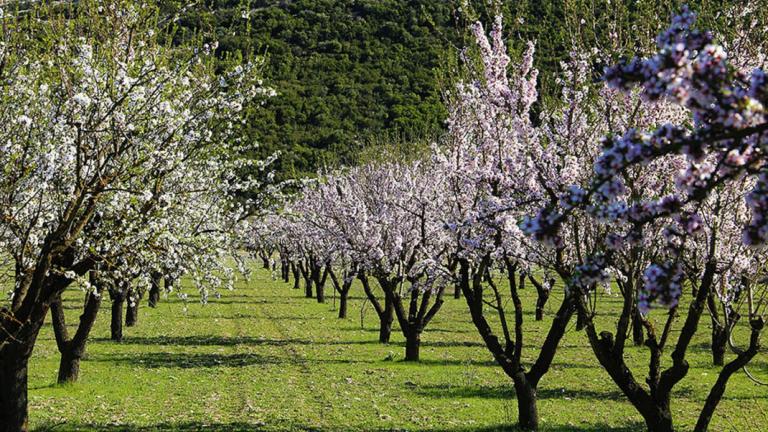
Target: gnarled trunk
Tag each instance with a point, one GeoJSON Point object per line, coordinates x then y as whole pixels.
{"type": "Point", "coordinates": [285, 272]}
{"type": "Point", "coordinates": [638, 337]}
{"type": "Point", "coordinates": [116, 323]}
{"type": "Point", "coordinates": [385, 322]}
{"type": "Point", "coordinates": [154, 290]}
{"type": "Point", "coordinates": [659, 420]}
{"type": "Point", "coordinates": [308, 287]}
{"type": "Point", "coordinates": [320, 292]}
{"type": "Point", "coordinates": [413, 344]}
{"type": "Point", "coordinates": [719, 341]}
{"type": "Point", "coordinates": [69, 367]}
{"type": "Point", "coordinates": [718, 389]}
{"type": "Point", "coordinates": [343, 299]}
{"type": "Point", "coordinates": [527, 411]}
{"type": "Point", "coordinates": [296, 276]}
{"type": "Point", "coordinates": [16, 346]}
{"type": "Point", "coordinates": [72, 349]}
{"type": "Point", "coordinates": [132, 309]}
{"type": "Point", "coordinates": [13, 389]}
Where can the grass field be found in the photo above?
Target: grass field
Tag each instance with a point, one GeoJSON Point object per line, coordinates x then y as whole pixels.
{"type": "Point", "coordinates": [264, 358]}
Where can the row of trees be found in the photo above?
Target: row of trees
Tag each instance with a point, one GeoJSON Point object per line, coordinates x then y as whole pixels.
{"type": "Point", "coordinates": [574, 191]}
{"type": "Point", "coordinates": [122, 165]}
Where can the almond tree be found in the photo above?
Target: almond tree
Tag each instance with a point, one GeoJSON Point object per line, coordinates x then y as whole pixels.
{"type": "Point", "coordinates": [721, 145]}
{"type": "Point", "coordinates": [502, 164]}
{"type": "Point", "coordinates": [111, 128]}
{"type": "Point", "coordinates": [406, 248]}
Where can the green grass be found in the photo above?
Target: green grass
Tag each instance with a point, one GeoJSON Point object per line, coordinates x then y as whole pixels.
{"type": "Point", "coordinates": [264, 358]}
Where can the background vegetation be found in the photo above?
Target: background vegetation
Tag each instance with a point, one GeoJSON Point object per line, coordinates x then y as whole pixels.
{"type": "Point", "coordinates": [349, 72]}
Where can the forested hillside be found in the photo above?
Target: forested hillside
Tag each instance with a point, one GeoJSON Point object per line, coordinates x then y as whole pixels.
{"type": "Point", "coordinates": [347, 72]}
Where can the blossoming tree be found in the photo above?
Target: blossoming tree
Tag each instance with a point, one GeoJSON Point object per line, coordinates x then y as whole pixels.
{"type": "Point", "coordinates": [112, 129]}
{"type": "Point", "coordinates": [721, 149]}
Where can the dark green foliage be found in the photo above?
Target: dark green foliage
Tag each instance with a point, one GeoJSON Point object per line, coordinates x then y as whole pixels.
{"type": "Point", "coordinates": [348, 72]}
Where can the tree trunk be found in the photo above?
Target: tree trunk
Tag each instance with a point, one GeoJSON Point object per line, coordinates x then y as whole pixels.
{"type": "Point", "coordinates": [343, 297]}
{"type": "Point", "coordinates": [719, 341]}
{"type": "Point", "coordinates": [637, 327]}
{"type": "Point", "coordinates": [320, 292]}
{"type": "Point", "coordinates": [308, 287]}
{"type": "Point", "coordinates": [527, 412]}
{"type": "Point", "coordinates": [718, 389]}
{"type": "Point", "coordinates": [412, 344]}
{"type": "Point", "coordinates": [457, 290]}
{"type": "Point", "coordinates": [385, 330]}
{"type": "Point", "coordinates": [719, 334]}
{"type": "Point", "coordinates": [16, 345]}
{"type": "Point", "coordinates": [69, 367]}
{"type": "Point", "coordinates": [72, 349]}
{"type": "Point", "coordinates": [542, 293]}
{"type": "Point", "coordinates": [541, 301]}
{"type": "Point", "coordinates": [319, 275]}
{"type": "Point", "coordinates": [169, 281]}
{"type": "Point", "coordinates": [385, 322]}
{"type": "Point", "coordinates": [661, 421]}
{"type": "Point", "coordinates": [154, 291]}
{"type": "Point", "coordinates": [13, 390]}
{"type": "Point", "coordinates": [285, 271]}
{"type": "Point", "coordinates": [265, 262]}
{"type": "Point", "coordinates": [116, 325]}
{"type": "Point", "coordinates": [296, 276]}
{"type": "Point", "coordinates": [131, 312]}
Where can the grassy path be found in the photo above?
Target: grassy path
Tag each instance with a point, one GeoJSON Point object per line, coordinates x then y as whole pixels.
{"type": "Point", "coordinates": [264, 358]}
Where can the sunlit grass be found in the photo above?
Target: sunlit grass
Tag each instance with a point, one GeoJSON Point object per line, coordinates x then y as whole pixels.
{"type": "Point", "coordinates": [265, 358]}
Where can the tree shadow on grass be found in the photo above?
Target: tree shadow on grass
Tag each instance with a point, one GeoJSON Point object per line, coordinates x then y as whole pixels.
{"type": "Point", "coordinates": [246, 427]}
{"type": "Point", "coordinates": [226, 341]}
{"type": "Point", "coordinates": [216, 360]}
{"type": "Point", "coordinates": [508, 392]}
{"type": "Point", "coordinates": [192, 360]}
{"type": "Point", "coordinates": [201, 340]}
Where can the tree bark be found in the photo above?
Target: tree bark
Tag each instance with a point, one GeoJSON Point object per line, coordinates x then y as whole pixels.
{"type": "Point", "coordinates": [285, 271]}
{"type": "Point", "coordinates": [154, 290]}
{"type": "Point", "coordinates": [21, 325]}
{"type": "Point", "coordinates": [296, 276]}
{"type": "Point", "coordinates": [342, 287]}
{"type": "Point", "coordinates": [169, 282]}
{"type": "Point", "coordinates": [719, 333]}
{"type": "Point", "coordinates": [319, 275]}
{"type": "Point", "coordinates": [385, 322]}
{"type": "Point", "coordinates": [132, 308]}
{"type": "Point", "coordinates": [116, 324]}
{"type": "Point", "coordinates": [386, 314]}
{"type": "Point", "coordinates": [638, 338]}
{"type": "Point", "coordinates": [320, 292]}
{"type": "Point", "coordinates": [72, 349]}
{"type": "Point", "coordinates": [542, 295]}
{"type": "Point", "coordinates": [69, 367]}
{"type": "Point", "coordinates": [413, 344]}
{"type": "Point", "coordinates": [719, 341]}
{"type": "Point", "coordinates": [527, 411]}
{"type": "Point", "coordinates": [343, 298]}
{"type": "Point", "coordinates": [13, 389]}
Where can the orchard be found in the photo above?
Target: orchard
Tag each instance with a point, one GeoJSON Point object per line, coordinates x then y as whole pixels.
{"type": "Point", "coordinates": [588, 258]}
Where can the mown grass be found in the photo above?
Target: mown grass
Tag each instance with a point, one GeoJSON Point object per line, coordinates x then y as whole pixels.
{"type": "Point", "coordinates": [264, 358]}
